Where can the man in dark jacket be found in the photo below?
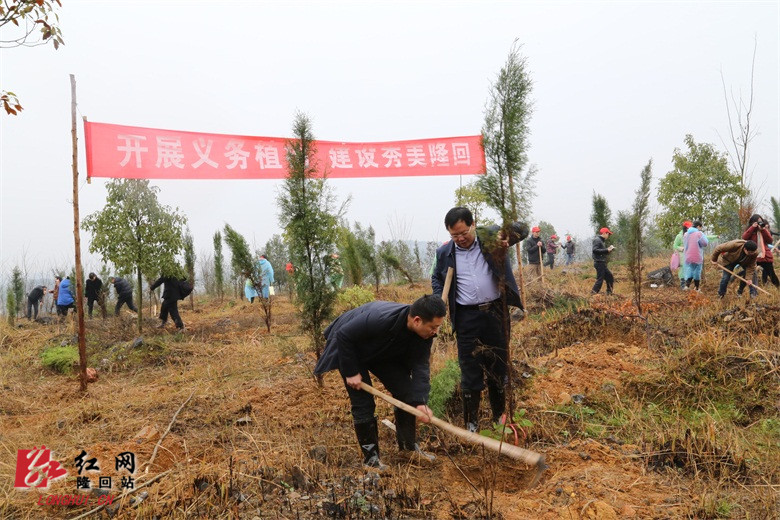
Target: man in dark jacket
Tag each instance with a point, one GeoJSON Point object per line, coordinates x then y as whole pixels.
{"type": "Point", "coordinates": [33, 299]}
{"type": "Point", "coordinates": [600, 258]}
{"type": "Point", "coordinates": [569, 248]}
{"type": "Point", "coordinates": [481, 285]}
{"type": "Point", "coordinates": [533, 249]}
{"type": "Point", "coordinates": [92, 291]}
{"type": "Point", "coordinates": [124, 294]}
{"type": "Point", "coordinates": [392, 341]}
{"type": "Point", "coordinates": [170, 301]}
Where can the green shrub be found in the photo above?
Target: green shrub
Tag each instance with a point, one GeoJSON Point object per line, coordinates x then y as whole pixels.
{"type": "Point", "coordinates": [60, 359]}
{"type": "Point", "coordinates": [443, 386]}
{"type": "Point", "coordinates": [355, 296]}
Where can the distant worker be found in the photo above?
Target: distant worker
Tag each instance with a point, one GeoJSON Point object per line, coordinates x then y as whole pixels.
{"type": "Point", "coordinates": [33, 299]}
{"type": "Point", "coordinates": [533, 248]}
{"type": "Point", "coordinates": [693, 252]}
{"type": "Point", "coordinates": [551, 249]}
{"type": "Point", "coordinates": [65, 298]}
{"type": "Point", "coordinates": [569, 248]}
{"type": "Point", "coordinates": [55, 292]}
{"type": "Point", "coordinates": [170, 300]}
{"type": "Point", "coordinates": [600, 259]}
{"type": "Point", "coordinates": [93, 290]}
{"type": "Point", "coordinates": [250, 292]}
{"type": "Point", "coordinates": [678, 247]}
{"type": "Point", "coordinates": [729, 255]}
{"type": "Point", "coordinates": [266, 272]}
{"type": "Point", "coordinates": [124, 294]}
{"type": "Point", "coordinates": [393, 342]}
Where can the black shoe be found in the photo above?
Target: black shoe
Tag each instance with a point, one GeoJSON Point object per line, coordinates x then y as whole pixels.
{"type": "Point", "coordinates": [497, 398]}
{"type": "Point", "coordinates": [406, 434]}
{"type": "Point", "coordinates": [368, 438]}
{"type": "Point", "coordinates": [471, 399]}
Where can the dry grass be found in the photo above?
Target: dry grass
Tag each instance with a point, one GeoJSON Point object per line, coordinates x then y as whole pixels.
{"type": "Point", "coordinates": [678, 416]}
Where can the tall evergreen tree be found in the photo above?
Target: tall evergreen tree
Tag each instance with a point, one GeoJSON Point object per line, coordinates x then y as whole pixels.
{"type": "Point", "coordinates": [243, 263]}
{"type": "Point", "coordinates": [189, 263]}
{"type": "Point", "coordinates": [17, 284]}
{"type": "Point", "coordinates": [219, 270]}
{"type": "Point", "coordinates": [601, 216]}
{"type": "Point", "coordinates": [639, 221]}
{"type": "Point", "coordinates": [310, 222]}
{"type": "Point", "coordinates": [135, 232]}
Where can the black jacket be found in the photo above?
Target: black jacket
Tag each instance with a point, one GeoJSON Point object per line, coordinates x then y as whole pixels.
{"type": "Point", "coordinates": [532, 249]}
{"type": "Point", "coordinates": [569, 247]}
{"type": "Point", "coordinates": [376, 333]}
{"type": "Point", "coordinates": [36, 294]}
{"type": "Point", "coordinates": [123, 288]}
{"type": "Point", "coordinates": [445, 258]}
{"type": "Point", "coordinates": [92, 289]}
{"type": "Point", "coordinates": [171, 289]}
{"type": "Point", "coordinates": [600, 251]}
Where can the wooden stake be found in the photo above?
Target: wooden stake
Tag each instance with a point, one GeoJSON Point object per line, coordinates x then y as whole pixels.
{"type": "Point", "coordinates": [541, 264]}
{"type": "Point", "coordinates": [529, 457]}
{"type": "Point", "coordinates": [447, 284]}
{"type": "Point", "coordinates": [77, 241]}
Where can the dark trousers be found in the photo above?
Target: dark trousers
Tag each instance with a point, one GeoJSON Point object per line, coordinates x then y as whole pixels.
{"type": "Point", "coordinates": [603, 274]}
{"type": "Point", "coordinates": [91, 302]}
{"type": "Point", "coordinates": [32, 304]}
{"type": "Point", "coordinates": [754, 280]}
{"type": "Point", "coordinates": [62, 310]}
{"type": "Point", "coordinates": [550, 260]}
{"type": "Point", "coordinates": [768, 273]}
{"type": "Point", "coordinates": [397, 379]}
{"type": "Point", "coordinates": [171, 306]}
{"type": "Point", "coordinates": [724, 281]}
{"type": "Point", "coordinates": [124, 299]}
{"type": "Point", "coordinates": [482, 347]}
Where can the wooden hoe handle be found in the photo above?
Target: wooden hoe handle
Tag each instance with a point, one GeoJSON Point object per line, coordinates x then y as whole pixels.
{"type": "Point", "coordinates": [529, 457]}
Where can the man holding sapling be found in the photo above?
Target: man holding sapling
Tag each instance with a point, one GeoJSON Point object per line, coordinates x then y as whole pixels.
{"type": "Point", "coordinates": [393, 342]}
{"type": "Point", "coordinates": [482, 275]}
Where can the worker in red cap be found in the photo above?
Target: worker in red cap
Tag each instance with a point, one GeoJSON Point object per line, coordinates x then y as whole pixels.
{"type": "Point", "coordinates": [569, 248]}
{"type": "Point", "coordinates": [600, 258]}
{"type": "Point", "coordinates": [678, 247]}
{"type": "Point", "coordinates": [552, 249]}
{"type": "Point", "coordinates": [533, 248]}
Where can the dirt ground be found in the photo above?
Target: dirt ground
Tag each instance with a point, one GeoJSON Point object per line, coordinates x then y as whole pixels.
{"type": "Point", "coordinates": [256, 437]}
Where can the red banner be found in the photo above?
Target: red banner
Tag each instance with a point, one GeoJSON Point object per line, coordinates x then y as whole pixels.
{"type": "Point", "coordinates": [149, 153]}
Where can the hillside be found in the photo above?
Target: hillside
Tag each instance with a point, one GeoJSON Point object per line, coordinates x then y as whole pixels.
{"type": "Point", "coordinates": [676, 416]}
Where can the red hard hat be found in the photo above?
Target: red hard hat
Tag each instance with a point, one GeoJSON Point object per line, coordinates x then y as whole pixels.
{"type": "Point", "coordinates": [604, 230]}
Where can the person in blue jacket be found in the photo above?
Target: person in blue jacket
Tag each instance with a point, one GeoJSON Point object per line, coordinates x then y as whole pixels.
{"type": "Point", "coordinates": [65, 299]}
{"type": "Point", "coordinates": [266, 271]}
{"type": "Point", "coordinates": [393, 342]}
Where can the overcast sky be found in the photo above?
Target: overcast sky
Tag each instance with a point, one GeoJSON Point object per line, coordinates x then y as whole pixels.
{"type": "Point", "coordinates": [615, 84]}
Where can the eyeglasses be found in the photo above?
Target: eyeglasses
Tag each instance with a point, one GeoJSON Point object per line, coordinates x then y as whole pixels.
{"type": "Point", "coordinates": [461, 234]}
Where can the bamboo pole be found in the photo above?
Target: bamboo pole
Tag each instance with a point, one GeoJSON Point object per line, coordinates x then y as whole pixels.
{"type": "Point", "coordinates": [529, 457]}
{"type": "Point", "coordinates": [77, 242]}
{"type": "Point", "coordinates": [541, 263]}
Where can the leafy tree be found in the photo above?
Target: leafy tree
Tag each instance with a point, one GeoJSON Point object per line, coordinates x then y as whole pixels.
{"type": "Point", "coordinates": [243, 263]}
{"type": "Point", "coordinates": [276, 253]}
{"type": "Point", "coordinates": [472, 197]}
{"type": "Point", "coordinates": [310, 222]}
{"type": "Point", "coordinates": [365, 242]}
{"type": "Point", "coordinates": [600, 216]}
{"type": "Point", "coordinates": [547, 230]}
{"type": "Point", "coordinates": [621, 234]}
{"type": "Point", "coordinates": [638, 226]}
{"type": "Point", "coordinates": [699, 187]}
{"type": "Point", "coordinates": [28, 16]}
{"type": "Point", "coordinates": [189, 263]}
{"type": "Point", "coordinates": [135, 232]}
{"type": "Point", "coordinates": [17, 284]}
{"type": "Point", "coordinates": [350, 255]}
{"type": "Point", "coordinates": [219, 273]}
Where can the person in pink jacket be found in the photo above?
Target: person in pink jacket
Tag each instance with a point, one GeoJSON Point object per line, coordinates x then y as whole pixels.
{"type": "Point", "coordinates": [694, 243]}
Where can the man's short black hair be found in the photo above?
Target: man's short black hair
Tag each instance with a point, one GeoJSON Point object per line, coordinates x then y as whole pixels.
{"type": "Point", "coordinates": [456, 214]}
{"type": "Point", "coordinates": [697, 224]}
{"type": "Point", "coordinates": [750, 246]}
{"type": "Point", "coordinates": [428, 307]}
